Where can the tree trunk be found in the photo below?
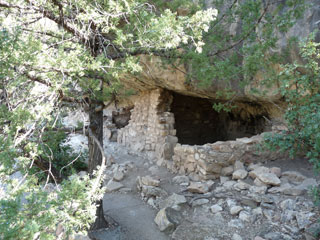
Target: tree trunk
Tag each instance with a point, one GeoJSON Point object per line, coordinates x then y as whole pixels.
{"type": "Point", "coordinates": [96, 126]}
{"type": "Point", "coordinates": [95, 156]}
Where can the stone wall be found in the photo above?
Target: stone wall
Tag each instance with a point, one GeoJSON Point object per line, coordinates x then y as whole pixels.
{"type": "Point", "coordinates": [151, 127]}
{"type": "Point", "coordinates": [210, 161]}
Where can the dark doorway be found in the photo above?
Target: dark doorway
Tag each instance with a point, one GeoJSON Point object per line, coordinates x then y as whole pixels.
{"type": "Point", "coordinates": [121, 117]}
{"type": "Point", "coordinates": [197, 123]}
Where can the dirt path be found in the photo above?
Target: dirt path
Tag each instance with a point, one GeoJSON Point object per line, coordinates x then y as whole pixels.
{"type": "Point", "coordinates": [134, 216]}
{"type": "Point", "coordinates": [125, 206]}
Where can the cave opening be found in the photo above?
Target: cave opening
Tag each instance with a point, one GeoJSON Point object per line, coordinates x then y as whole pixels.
{"type": "Point", "coordinates": [197, 123]}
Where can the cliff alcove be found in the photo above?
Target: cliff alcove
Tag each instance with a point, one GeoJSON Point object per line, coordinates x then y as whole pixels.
{"type": "Point", "coordinates": [197, 123]}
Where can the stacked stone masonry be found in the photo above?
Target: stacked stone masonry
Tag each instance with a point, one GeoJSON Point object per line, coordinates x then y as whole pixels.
{"type": "Point", "coordinates": [151, 130]}
{"type": "Point", "coordinates": [151, 127]}
{"type": "Point", "coordinates": [210, 161]}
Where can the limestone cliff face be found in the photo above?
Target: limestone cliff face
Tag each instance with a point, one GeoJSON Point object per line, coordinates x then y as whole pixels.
{"type": "Point", "coordinates": [155, 76]}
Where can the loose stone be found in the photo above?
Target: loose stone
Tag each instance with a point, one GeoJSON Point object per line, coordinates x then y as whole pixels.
{"type": "Point", "coordinates": [174, 201]}
{"type": "Point", "coordinates": [240, 185]}
{"type": "Point", "coordinates": [229, 185]}
{"type": "Point", "coordinates": [198, 187]}
{"type": "Point", "coordinates": [181, 179]}
{"type": "Point", "coordinates": [276, 171]}
{"type": "Point", "coordinates": [253, 174]}
{"type": "Point", "coordinates": [260, 190]}
{"type": "Point", "coordinates": [118, 176]}
{"type": "Point", "coordinates": [199, 202]}
{"type": "Point", "coordinates": [216, 208]}
{"type": "Point", "coordinates": [235, 210]}
{"type": "Point", "coordinates": [113, 186]}
{"type": "Point", "coordinates": [227, 171]}
{"type": "Point", "coordinates": [149, 181]}
{"type": "Point", "coordinates": [269, 178]}
{"type": "Point", "coordinates": [258, 183]}
{"type": "Point", "coordinates": [238, 165]}
{"type": "Point", "coordinates": [239, 174]}
{"type": "Point", "coordinates": [167, 219]}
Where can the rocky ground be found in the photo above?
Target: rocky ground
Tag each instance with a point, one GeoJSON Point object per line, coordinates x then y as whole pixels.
{"type": "Point", "coordinates": [260, 201]}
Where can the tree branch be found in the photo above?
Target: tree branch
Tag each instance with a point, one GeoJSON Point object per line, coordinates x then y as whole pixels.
{"type": "Point", "coordinates": [5, 4]}
{"type": "Point", "coordinates": [67, 26]}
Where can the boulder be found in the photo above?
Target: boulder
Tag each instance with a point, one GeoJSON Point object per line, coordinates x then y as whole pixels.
{"type": "Point", "coordinates": [258, 183]}
{"type": "Point", "coordinates": [235, 210]}
{"type": "Point", "coordinates": [174, 201]}
{"type": "Point", "coordinates": [181, 179]}
{"type": "Point", "coordinates": [253, 166]}
{"type": "Point", "coordinates": [113, 186]}
{"type": "Point", "coordinates": [198, 187]}
{"type": "Point", "coordinates": [199, 202]}
{"type": "Point", "coordinates": [227, 171]}
{"type": "Point", "coordinates": [149, 181]}
{"type": "Point", "coordinates": [240, 185]}
{"type": "Point", "coordinates": [229, 185]}
{"type": "Point", "coordinates": [256, 189]}
{"type": "Point", "coordinates": [289, 189]}
{"type": "Point", "coordinates": [167, 219]}
{"type": "Point", "coordinates": [118, 176]}
{"type": "Point", "coordinates": [239, 174]}
{"type": "Point", "coordinates": [216, 208]}
{"type": "Point", "coordinates": [276, 171]}
{"type": "Point", "coordinates": [269, 178]}
{"type": "Point", "coordinates": [150, 191]}
{"type": "Point", "coordinates": [259, 170]}
{"type": "Point", "coordinates": [281, 188]}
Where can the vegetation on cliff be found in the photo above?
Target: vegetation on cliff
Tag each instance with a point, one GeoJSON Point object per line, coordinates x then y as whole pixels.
{"type": "Point", "coordinates": [300, 87]}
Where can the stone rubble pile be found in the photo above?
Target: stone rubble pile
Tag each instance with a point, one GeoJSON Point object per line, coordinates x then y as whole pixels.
{"type": "Point", "coordinates": [114, 175]}
{"type": "Point", "coordinates": [250, 202]}
{"type": "Point", "coordinates": [150, 189]}
{"type": "Point", "coordinates": [251, 197]}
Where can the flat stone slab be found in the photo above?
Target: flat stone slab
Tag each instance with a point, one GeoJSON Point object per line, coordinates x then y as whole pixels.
{"type": "Point", "coordinates": [113, 186]}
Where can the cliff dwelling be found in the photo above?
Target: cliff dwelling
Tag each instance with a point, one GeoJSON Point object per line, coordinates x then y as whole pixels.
{"type": "Point", "coordinates": [187, 135]}
{"type": "Point", "coordinates": [197, 123]}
